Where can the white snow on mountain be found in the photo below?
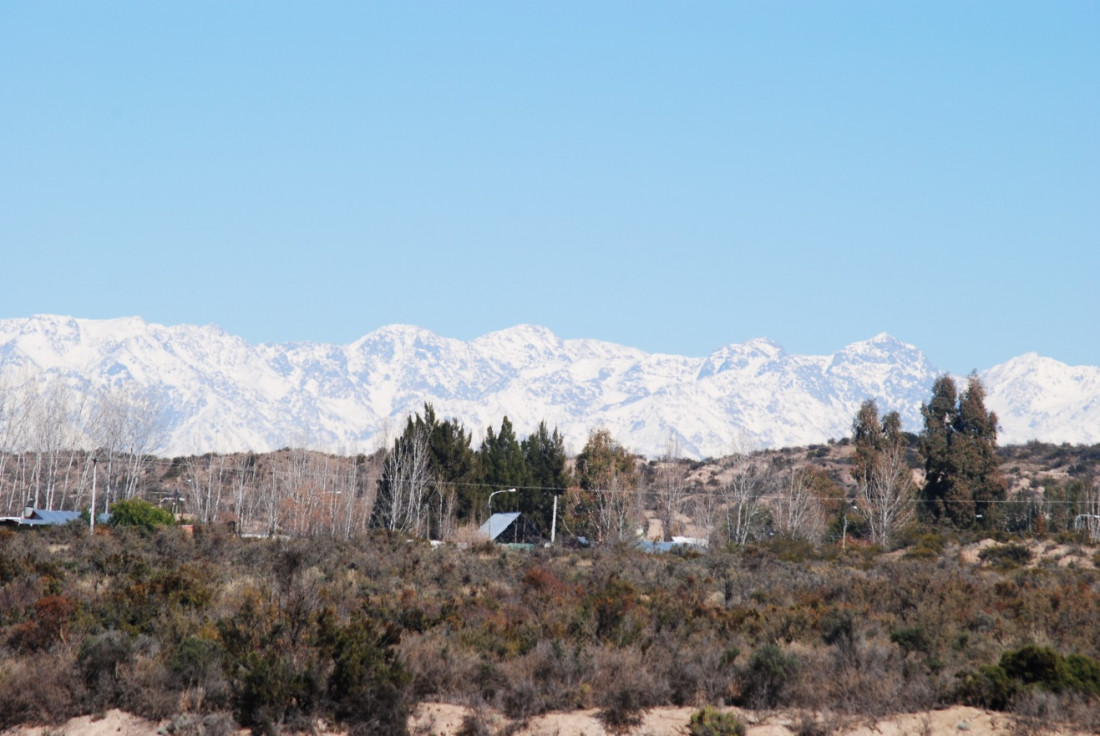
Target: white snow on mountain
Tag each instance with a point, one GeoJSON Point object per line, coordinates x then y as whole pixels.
{"type": "Point", "coordinates": [1038, 398]}
{"type": "Point", "coordinates": [222, 393]}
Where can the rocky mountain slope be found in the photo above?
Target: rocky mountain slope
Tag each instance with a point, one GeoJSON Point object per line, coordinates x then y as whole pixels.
{"type": "Point", "coordinates": [221, 393]}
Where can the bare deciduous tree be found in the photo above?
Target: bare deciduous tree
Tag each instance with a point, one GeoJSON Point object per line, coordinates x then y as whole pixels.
{"type": "Point", "coordinates": [884, 482]}
{"type": "Point", "coordinates": [126, 425]}
{"type": "Point", "coordinates": [740, 498]}
{"type": "Point", "coordinates": [54, 436]}
{"type": "Point", "coordinates": [405, 486]}
{"type": "Point", "coordinates": [16, 396]}
{"type": "Point", "coordinates": [670, 488]}
{"type": "Point", "coordinates": [1091, 511]}
{"type": "Point", "coordinates": [797, 512]}
{"type": "Point", "coordinates": [204, 485]}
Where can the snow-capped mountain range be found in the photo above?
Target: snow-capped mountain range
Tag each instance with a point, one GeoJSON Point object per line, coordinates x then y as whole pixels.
{"type": "Point", "coordinates": [222, 394]}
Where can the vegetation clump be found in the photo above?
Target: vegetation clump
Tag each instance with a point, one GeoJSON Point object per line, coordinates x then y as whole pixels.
{"type": "Point", "coordinates": [1029, 668]}
{"type": "Point", "coordinates": [710, 721]}
{"type": "Point", "coordinates": [140, 514]}
{"type": "Point", "coordinates": [1006, 556]}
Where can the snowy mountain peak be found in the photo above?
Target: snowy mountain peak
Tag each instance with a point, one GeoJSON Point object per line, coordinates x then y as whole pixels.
{"type": "Point", "coordinates": [525, 342]}
{"type": "Point", "coordinates": [757, 353]}
{"type": "Point", "coordinates": [882, 344]}
{"type": "Point", "coordinates": [221, 393]}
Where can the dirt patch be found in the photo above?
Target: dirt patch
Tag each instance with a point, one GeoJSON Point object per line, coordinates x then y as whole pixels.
{"type": "Point", "coordinates": [441, 719]}
{"type": "Point", "coordinates": [112, 723]}
{"type": "Point", "coordinates": [437, 719]}
{"type": "Point", "coordinates": [1042, 553]}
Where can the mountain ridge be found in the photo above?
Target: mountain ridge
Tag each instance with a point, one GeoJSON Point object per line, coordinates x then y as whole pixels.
{"type": "Point", "coordinates": [222, 393]}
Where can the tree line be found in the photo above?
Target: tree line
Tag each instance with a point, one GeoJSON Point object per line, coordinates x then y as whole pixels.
{"type": "Point", "coordinates": [433, 482]}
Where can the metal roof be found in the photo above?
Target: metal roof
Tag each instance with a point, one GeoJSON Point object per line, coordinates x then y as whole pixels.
{"type": "Point", "coordinates": [497, 523]}
{"type": "Point", "coordinates": [45, 516]}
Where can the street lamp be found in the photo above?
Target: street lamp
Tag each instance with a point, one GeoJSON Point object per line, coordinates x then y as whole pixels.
{"type": "Point", "coordinates": [490, 504]}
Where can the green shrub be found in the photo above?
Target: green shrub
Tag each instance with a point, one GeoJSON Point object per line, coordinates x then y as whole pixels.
{"type": "Point", "coordinates": [140, 514]}
{"type": "Point", "coordinates": [926, 547]}
{"type": "Point", "coordinates": [1006, 556]}
{"type": "Point", "coordinates": [1035, 665]}
{"type": "Point", "coordinates": [710, 721]}
{"type": "Point", "coordinates": [196, 661]}
{"type": "Point", "coordinates": [770, 673]}
{"type": "Point", "coordinates": [1030, 667]}
{"type": "Point", "coordinates": [368, 686]}
{"type": "Point", "coordinates": [989, 687]}
{"type": "Point", "coordinates": [912, 639]}
{"type": "Point", "coordinates": [1084, 674]}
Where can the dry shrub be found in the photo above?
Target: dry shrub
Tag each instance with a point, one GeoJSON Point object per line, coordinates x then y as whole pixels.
{"type": "Point", "coordinates": [101, 660]}
{"type": "Point", "coordinates": [551, 676]}
{"type": "Point", "coordinates": [468, 535]}
{"type": "Point", "coordinates": [622, 712]}
{"type": "Point", "coordinates": [698, 669]}
{"type": "Point", "coordinates": [38, 689]}
{"type": "Point", "coordinates": [624, 681]}
{"type": "Point", "coordinates": [48, 625]}
{"type": "Point", "coordinates": [147, 689]}
{"type": "Point", "coordinates": [439, 667]}
{"type": "Point", "coordinates": [193, 724]}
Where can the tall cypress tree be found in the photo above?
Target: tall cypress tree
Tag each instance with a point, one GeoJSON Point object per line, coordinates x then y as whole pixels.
{"type": "Point", "coordinates": [548, 476]}
{"type": "Point", "coordinates": [503, 465]}
{"type": "Point", "coordinates": [456, 465]}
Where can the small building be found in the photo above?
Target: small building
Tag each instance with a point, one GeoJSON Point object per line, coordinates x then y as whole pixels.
{"type": "Point", "coordinates": [47, 517]}
{"type": "Point", "coordinates": [510, 528]}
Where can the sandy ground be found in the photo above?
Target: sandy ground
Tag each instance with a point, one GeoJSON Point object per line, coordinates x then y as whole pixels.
{"type": "Point", "coordinates": [436, 719]}
{"type": "Point", "coordinates": [445, 720]}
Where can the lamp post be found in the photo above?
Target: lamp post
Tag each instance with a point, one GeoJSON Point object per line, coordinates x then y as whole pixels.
{"type": "Point", "coordinates": [490, 504]}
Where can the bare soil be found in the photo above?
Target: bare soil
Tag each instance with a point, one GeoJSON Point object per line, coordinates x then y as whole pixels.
{"type": "Point", "coordinates": [440, 719]}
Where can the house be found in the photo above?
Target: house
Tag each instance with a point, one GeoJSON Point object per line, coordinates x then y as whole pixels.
{"type": "Point", "coordinates": [47, 517]}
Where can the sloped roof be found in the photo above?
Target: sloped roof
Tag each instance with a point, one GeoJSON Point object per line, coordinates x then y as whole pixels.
{"type": "Point", "coordinates": [44, 516]}
{"type": "Point", "coordinates": [497, 523]}
{"type": "Point", "coordinates": [47, 517]}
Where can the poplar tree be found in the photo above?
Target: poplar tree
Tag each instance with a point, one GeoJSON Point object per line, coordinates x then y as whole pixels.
{"type": "Point", "coordinates": [608, 506]}
{"type": "Point", "coordinates": [884, 481]}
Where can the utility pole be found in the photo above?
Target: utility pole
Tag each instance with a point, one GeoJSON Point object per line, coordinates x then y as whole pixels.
{"type": "Point", "coordinates": [91, 516]}
{"type": "Point", "coordinates": [554, 520]}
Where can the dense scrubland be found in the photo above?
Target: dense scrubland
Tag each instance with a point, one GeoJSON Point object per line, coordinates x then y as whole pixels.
{"type": "Point", "coordinates": [275, 633]}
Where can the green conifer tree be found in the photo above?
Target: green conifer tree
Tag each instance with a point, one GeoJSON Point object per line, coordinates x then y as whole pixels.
{"type": "Point", "coordinates": [959, 446]}
{"type": "Point", "coordinates": [503, 466]}
{"type": "Point", "coordinates": [548, 474]}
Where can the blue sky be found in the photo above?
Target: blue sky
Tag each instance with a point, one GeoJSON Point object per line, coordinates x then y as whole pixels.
{"type": "Point", "coordinates": [672, 176]}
